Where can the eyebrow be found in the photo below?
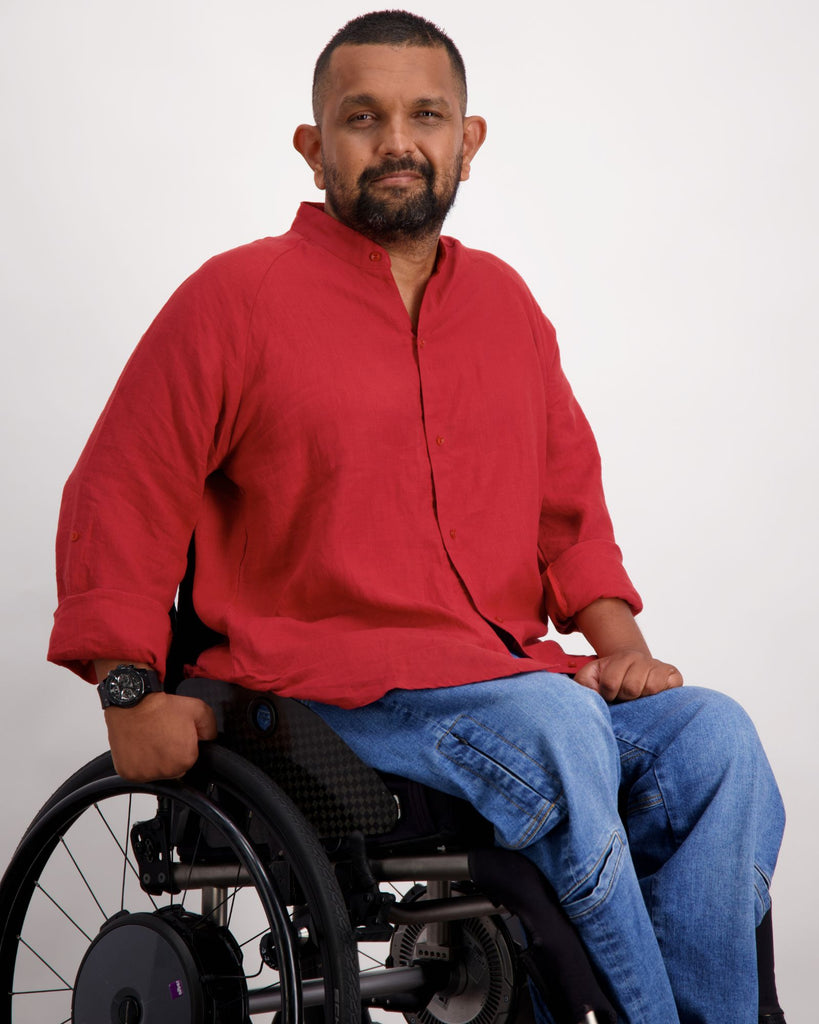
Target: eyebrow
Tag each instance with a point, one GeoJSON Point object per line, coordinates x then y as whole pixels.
{"type": "Point", "coordinates": [366, 99]}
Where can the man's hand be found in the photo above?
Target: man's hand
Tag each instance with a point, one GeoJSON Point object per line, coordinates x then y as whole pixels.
{"type": "Point", "coordinates": [159, 738]}
{"type": "Point", "coordinates": [628, 674]}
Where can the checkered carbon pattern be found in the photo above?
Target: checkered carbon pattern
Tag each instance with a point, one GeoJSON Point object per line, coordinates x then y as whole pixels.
{"type": "Point", "coordinates": [335, 791]}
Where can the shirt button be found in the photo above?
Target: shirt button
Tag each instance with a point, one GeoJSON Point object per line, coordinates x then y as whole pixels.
{"type": "Point", "coordinates": [75, 535]}
{"type": "Point", "coordinates": [421, 343]}
{"type": "Point", "coordinates": [439, 440]}
{"type": "Point", "coordinates": [375, 257]}
{"type": "Point", "coordinates": [452, 534]}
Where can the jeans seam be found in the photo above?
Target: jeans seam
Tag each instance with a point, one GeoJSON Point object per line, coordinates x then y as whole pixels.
{"type": "Point", "coordinates": [615, 838]}
{"type": "Point", "coordinates": [523, 753]}
{"type": "Point", "coordinates": [646, 803]}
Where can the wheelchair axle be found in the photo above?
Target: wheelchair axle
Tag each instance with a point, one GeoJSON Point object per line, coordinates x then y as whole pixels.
{"type": "Point", "coordinates": [375, 987]}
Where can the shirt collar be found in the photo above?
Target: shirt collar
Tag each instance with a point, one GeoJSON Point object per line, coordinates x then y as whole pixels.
{"type": "Point", "coordinates": [318, 227]}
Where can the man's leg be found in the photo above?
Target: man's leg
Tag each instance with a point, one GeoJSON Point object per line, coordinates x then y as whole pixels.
{"type": "Point", "coordinates": [537, 756]}
{"type": "Point", "coordinates": [704, 821]}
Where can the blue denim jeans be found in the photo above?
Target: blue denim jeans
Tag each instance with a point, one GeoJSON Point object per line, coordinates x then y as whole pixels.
{"type": "Point", "coordinates": [657, 821]}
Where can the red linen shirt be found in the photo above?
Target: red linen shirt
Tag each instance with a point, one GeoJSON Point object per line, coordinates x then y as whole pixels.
{"type": "Point", "coordinates": [367, 500]}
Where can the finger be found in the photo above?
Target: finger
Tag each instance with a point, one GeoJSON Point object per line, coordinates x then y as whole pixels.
{"type": "Point", "coordinates": [587, 675]}
{"type": "Point", "coordinates": [591, 676]}
{"type": "Point", "coordinates": [662, 677]}
{"type": "Point", "coordinates": [675, 678]}
{"type": "Point", "coordinates": [656, 679]}
{"type": "Point", "coordinates": [610, 677]}
{"type": "Point", "coordinates": [205, 722]}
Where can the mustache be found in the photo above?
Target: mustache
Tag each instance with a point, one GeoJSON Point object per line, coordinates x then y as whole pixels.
{"type": "Point", "coordinates": [406, 163]}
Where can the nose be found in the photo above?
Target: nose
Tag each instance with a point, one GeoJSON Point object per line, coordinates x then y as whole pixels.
{"type": "Point", "coordinates": [396, 139]}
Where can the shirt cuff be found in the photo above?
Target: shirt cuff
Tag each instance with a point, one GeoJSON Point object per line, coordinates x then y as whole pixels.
{"type": "Point", "coordinates": [109, 624]}
{"type": "Point", "coordinates": [583, 574]}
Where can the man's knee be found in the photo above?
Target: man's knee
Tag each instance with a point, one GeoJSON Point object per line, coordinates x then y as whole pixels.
{"type": "Point", "coordinates": [719, 733]}
{"type": "Point", "coordinates": [715, 754]}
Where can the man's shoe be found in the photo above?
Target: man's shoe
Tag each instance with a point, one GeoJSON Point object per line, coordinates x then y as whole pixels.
{"type": "Point", "coordinates": [772, 1018]}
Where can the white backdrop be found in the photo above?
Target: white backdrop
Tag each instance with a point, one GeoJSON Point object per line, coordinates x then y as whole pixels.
{"type": "Point", "coordinates": [651, 169]}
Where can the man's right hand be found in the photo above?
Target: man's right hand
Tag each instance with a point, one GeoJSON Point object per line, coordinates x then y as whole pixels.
{"type": "Point", "coordinates": [159, 737]}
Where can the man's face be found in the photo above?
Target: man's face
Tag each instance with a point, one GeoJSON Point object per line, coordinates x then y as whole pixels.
{"type": "Point", "coordinates": [392, 140]}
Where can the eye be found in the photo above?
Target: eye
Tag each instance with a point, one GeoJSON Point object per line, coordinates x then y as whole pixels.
{"type": "Point", "coordinates": [428, 115]}
{"type": "Point", "coordinates": [361, 118]}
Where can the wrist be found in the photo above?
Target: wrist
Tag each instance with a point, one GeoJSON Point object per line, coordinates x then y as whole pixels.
{"type": "Point", "coordinates": [609, 626]}
{"type": "Point", "coordinates": [126, 685]}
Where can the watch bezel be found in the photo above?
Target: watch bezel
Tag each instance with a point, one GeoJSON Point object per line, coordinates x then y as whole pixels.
{"type": "Point", "coordinates": [126, 686]}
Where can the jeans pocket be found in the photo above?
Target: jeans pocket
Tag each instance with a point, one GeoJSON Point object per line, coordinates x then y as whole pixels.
{"type": "Point", "coordinates": [515, 792]}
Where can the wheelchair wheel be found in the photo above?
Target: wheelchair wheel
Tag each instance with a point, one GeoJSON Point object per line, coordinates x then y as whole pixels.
{"type": "Point", "coordinates": [208, 900]}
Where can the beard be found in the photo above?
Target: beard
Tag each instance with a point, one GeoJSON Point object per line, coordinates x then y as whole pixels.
{"type": "Point", "coordinates": [394, 215]}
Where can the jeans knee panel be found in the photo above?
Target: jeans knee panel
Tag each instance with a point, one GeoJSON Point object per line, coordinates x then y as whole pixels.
{"type": "Point", "coordinates": [518, 794]}
{"type": "Point", "coordinates": [715, 727]}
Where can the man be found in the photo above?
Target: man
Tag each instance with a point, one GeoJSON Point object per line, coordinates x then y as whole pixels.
{"type": "Point", "coordinates": [392, 486]}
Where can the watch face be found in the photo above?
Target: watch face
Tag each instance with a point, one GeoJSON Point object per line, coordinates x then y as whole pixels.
{"type": "Point", "coordinates": [126, 688]}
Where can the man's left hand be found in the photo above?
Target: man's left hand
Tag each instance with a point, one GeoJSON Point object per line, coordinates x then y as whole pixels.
{"type": "Point", "coordinates": [627, 675]}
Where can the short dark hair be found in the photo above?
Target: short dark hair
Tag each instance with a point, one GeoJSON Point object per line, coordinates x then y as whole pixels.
{"type": "Point", "coordinates": [386, 28]}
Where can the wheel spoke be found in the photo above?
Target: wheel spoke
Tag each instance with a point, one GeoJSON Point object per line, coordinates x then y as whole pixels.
{"type": "Point", "coordinates": [218, 906]}
{"type": "Point", "coordinates": [185, 887]}
{"type": "Point", "coordinates": [253, 938]}
{"type": "Point", "coordinates": [63, 911]}
{"type": "Point", "coordinates": [82, 876]}
{"type": "Point", "coordinates": [45, 962]}
{"type": "Point", "coordinates": [37, 991]}
{"type": "Point", "coordinates": [376, 962]}
{"type": "Point", "coordinates": [125, 864]}
{"type": "Point", "coordinates": [124, 852]}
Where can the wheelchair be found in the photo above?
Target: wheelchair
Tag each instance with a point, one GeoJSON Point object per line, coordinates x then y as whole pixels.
{"type": "Point", "coordinates": [282, 880]}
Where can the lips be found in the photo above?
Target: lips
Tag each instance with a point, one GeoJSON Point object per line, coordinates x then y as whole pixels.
{"type": "Point", "coordinates": [396, 173]}
{"type": "Point", "coordinates": [400, 178]}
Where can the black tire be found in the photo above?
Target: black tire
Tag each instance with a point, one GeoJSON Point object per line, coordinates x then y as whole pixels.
{"type": "Point", "coordinates": [75, 865]}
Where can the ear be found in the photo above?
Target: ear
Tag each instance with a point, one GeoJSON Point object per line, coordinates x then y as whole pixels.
{"type": "Point", "coordinates": [307, 140]}
{"type": "Point", "coordinates": [474, 134]}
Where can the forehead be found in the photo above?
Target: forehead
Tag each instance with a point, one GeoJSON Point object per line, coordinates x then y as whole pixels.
{"type": "Point", "coordinates": [403, 73]}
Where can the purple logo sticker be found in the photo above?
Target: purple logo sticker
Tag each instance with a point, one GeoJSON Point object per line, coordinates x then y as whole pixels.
{"type": "Point", "coordinates": [176, 990]}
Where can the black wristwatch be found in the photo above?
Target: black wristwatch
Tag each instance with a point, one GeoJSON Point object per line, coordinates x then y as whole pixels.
{"type": "Point", "coordinates": [126, 685]}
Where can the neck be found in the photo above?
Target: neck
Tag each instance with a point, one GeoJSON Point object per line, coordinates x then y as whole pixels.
{"type": "Point", "coordinates": [412, 264]}
{"type": "Point", "coordinates": [412, 260]}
